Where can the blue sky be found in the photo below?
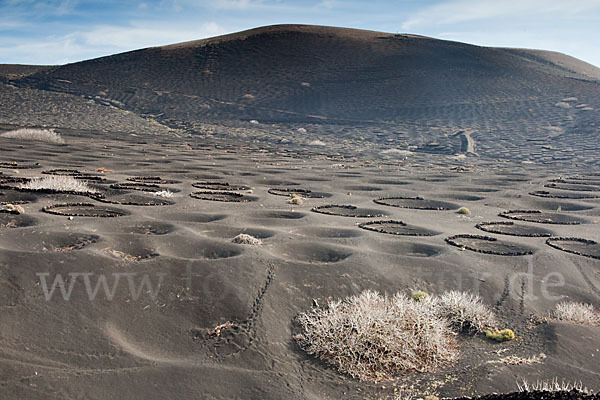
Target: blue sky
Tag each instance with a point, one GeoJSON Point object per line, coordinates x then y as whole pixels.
{"type": "Point", "coordinates": [62, 31]}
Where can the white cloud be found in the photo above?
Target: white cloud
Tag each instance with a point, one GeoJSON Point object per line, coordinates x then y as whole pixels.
{"type": "Point", "coordinates": [100, 41]}
{"type": "Point", "coordinates": [140, 35]}
{"type": "Point", "coordinates": [223, 4]}
{"type": "Point", "coordinates": [236, 4]}
{"type": "Point", "coordinates": [51, 51]}
{"type": "Point", "coordinates": [38, 8]}
{"type": "Point", "coordinates": [578, 47]}
{"type": "Point", "coordinates": [11, 24]}
{"type": "Point", "coordinates": [461, 11]}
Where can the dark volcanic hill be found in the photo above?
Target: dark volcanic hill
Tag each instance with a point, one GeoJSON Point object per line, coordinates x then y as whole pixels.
{"type": "Point", "coordinates": [309, 74]}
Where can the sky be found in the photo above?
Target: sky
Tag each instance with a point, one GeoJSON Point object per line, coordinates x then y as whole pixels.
{"type": "Point", "coordinates": [53, 32]}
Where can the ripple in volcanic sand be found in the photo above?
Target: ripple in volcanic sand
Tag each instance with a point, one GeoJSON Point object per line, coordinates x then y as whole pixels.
{"type": "Point", "coordinates": [277, 214]}
{"type": "Point", "coordinates": [313, 253]}
{"type": "Point", "coordinates": [130, 199]}
{"type": "Point", "coordinates": [384, 181]}
{"type": "Point", "coordinates": [195, 217]}
{"type": "Point", "coordinates": [9, 220]}
{"type": "Point", "coordinates": [219, 186]}
{"type": "Point", "coordinates": [148, 228]}
{"type": "Point", "coordinates": [363, 188]}
{"type": "Point", "coordinates": [229, 232]}
{"type": "Point", "coordinates": [406, 249]}
{"type": "Point", "coordinates": [306, 193]}
{"type": "Point", "coordinates": [312, 178]}
{"type": "Point", "coordinates": [74, 173]}
{"type": "Point", "coordinates": [488, 245]}
{"type": "Point", "coordinates": [19, 165]}
{"type": "Point", "coordinates": [84, 210]}
{"type": "Point", "coordinates": [275, 182]}
{"type": "Point", "coordinates": [130, 249]}
{"type": "Point", "coordinates": [573, 186]}
{"type": "Point", "coordinates": [512, 229]}
{"type": "Point", "coordinates": [192, 248]}
{"type": "Point", "coordinates": [10, 182]}
{"type": "Point", "coordinates": [51, 242]}
{"type": "Point", "coordinates": [417, 203]}
{"type": "Point", "coordinates": [572, 181]}
{"type": "Point", "coordinates": [329, 232]}
{"type": "Point", "coordinates": [579, 246]}
{"type": "Point", "coordinates": [542, 217]}
{"type": "Point", "coordinates": [397, 228]}
{"type": "Point", "coordinates": [478, 189]}
{"type": "Point", "coordinates": [157, 180]}
{"type": "Point", "coordinates": [348, 211]}
{"type": "Point", "coordinates": [564, 195]}
{"type": "Point", "coordinates": [462, 196]}
{"type": "Point", "coordinates": [16, 197]}
{"type": "Point", "coordinates": [229, 197]}
{"type": "Point", "coordinates": [142, 187]}
{"type": "Point", "coordinates": [551, 205]}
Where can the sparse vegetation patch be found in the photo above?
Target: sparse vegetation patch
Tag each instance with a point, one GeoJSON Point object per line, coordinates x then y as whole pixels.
{"type": "Point", "coordinates": [464, 211]}
{"type": "Point", "coordinates": [244, 238]}
{"type": "Point", "coordinates": [42, 135]}
{"type": "Point", "coordinates": [58, 183]}
{"type": "Point", "coordinates": [552, 386]}
{"type": "Point", "coordinates": [577, 313]}
{"type": "Point", "coordinates": [375, 337]}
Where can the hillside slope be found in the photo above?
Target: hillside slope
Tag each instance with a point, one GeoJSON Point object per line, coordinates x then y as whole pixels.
{"type": "Point", "coordinates": [302, 74]}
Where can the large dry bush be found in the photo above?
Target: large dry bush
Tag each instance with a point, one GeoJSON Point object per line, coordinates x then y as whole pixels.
{"type": "Point", "coordinates": [374, 337]}
{"type": "Point", "coordinates": [58, 183]}
{"type": "Point", "coordinates": [465, 311]}
{"type": "Point", "coordinates": [42, 135]}
{"type": "Point", "coordinates": [577, 313]}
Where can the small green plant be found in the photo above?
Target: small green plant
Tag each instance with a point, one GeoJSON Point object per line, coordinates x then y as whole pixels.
{"type": "Point", "coordinates": [419, 295]}
{"type": "Point", "coordinates": [503, 335]}
{"type": "Point", "coordinates": [464, 211]}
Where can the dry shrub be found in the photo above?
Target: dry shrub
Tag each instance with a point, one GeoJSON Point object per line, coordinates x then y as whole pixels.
{"type": "Point", "coordinates": [296, 199]}
{"type": "Point", "coordinates": [12, 208]}
{"type": "Point", "coordinates": [552, 386]}
{"type": "Point", "coordinates": [244, 238]}
{"type": "Point", "coordinates": [374, 337]}
{"type": "Point", "coordinates": [464, 211]}
{"type": "Point", "coordinates": [577, 313]}
{"type": "Point", "coordinates": [465, 311]}
{"type": "Point", "coordinates": [58, 183]}
{"type": "Point", "coordinates": [42, 135]}
{"type": "Point", "coordinates": [396, 152]}
{"type": "Point", "coordinates": [163, 193]}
